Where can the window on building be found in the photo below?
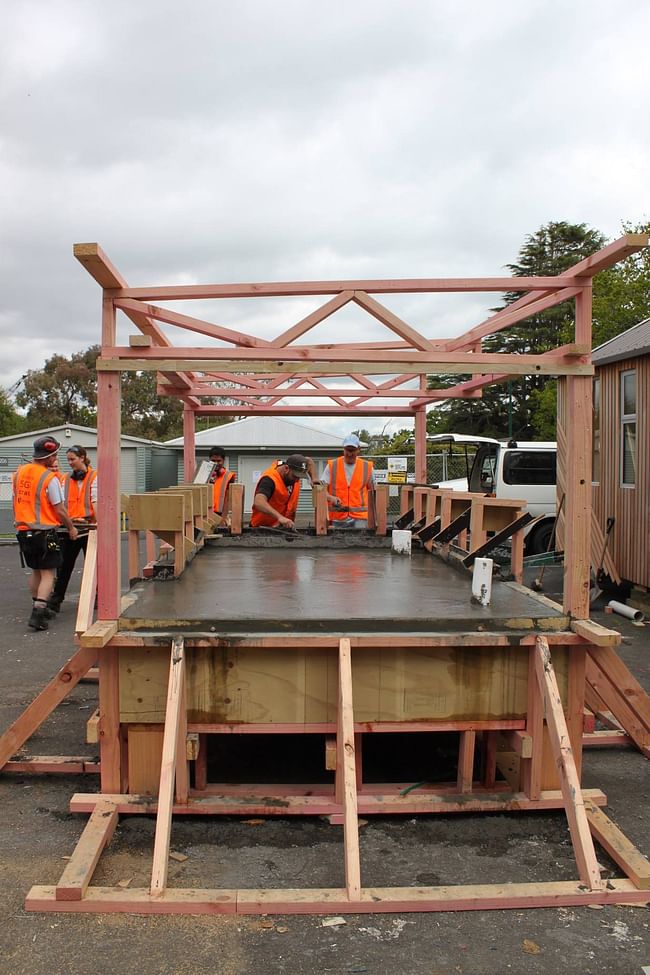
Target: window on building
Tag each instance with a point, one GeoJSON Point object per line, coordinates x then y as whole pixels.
{"type": "Point", "coordinates": [628, 428]}
{"type": "Point", "coordinates": [595, 436]}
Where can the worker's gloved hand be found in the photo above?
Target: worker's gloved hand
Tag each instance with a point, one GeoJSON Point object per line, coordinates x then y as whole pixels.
{"type": "Point", "coordinates": [338, 503]}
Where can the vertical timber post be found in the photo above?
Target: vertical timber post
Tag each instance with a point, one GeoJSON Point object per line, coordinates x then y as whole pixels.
{"type": "Point", "coordinates": [421, 440]}
{"type": "Point", "coordinates": [108, 462]}
{"type": "Point", "coordinates": [577, 534]}
{"type": "Point", "coordinates": [189, 445]}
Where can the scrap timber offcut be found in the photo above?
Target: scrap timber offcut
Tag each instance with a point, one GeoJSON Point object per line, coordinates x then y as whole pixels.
{"type": "Point", "coordinates": [230, 635]}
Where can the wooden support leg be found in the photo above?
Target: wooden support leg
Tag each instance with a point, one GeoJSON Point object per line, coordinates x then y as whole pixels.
{"type": "Point", "coordinates": [201, 764]}
{"type": "Point", "coordinates": [405, 499]}
{"type": "Point", "coordinates": [576, 702]}
{"type": "Point", "coordinates": [150, 542]}
{"type": "Point", "coordinates": [109, 720]}
{"type": "Point", "coordinates": [381, 508]}
{"type": "Point", "coordinates": [490, 739]}
{"type": "Point", "coordinates": [168, 768]}
{"type": "Point", "coordinates": [236, 492]}
{"type": "Point", "coordinates": [517, 554]}
{"type": "Point", "coordinates": [95, 837]}
{"type": "Point", "coordinates": [179, 553]}
{"type": "Point", "coordinates": [134, 554]}
{"type": "Point", "coordinates": [346, 786]}
{"type": "Point", "coordinates": [570, 783]}
{"type": "Point", "coordinates": [320, 508]}
{"type": "Point", "coordinates": [35, 713]}
{"type": "Point", "coordinates": [466, 760]}
{"type": "Point", "coordinates": [182, 767]}
{"type": "Point", "coordinates": [531, 768]}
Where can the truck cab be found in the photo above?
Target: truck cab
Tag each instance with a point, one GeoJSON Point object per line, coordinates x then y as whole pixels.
{"type": "Point", "coordinates": [512, 469]}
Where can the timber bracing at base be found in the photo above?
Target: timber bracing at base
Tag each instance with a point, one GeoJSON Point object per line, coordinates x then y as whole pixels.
{"type": "Point", "coordinates": [74, 892]}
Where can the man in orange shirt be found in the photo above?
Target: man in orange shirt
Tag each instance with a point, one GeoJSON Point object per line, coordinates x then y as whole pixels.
{"type": "Point", "coordinates": [221, 478]}
{"type": "Point", "coordinates": [348, 479]}
{"type": "Point", "coordinates": [39, 509]}
{"type": "Point", "coordinates": [276, 494]}
{"type": "Point", "coordinates": [80, 495]}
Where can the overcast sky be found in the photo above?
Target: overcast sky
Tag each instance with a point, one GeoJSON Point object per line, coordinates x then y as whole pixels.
{"type": "Point", "coordinates": [247, 141]}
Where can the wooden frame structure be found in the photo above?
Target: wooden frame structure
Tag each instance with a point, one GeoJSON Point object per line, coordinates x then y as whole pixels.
{"type": "Point", "coordinates": [259, 374]}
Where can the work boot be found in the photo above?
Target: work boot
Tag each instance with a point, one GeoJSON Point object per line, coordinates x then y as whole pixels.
{"type": "Point", "coordinates": [49, 612]}
{"type": "Point", "coordinates": [38, 619]}
{"type": "Point", "coordinates": [54, 604]}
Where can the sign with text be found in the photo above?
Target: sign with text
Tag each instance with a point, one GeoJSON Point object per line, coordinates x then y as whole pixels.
{"type": "Point", "coordinates": [397, 467]}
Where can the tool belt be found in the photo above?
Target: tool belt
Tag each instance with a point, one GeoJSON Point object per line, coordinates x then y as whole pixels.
{"type": "Point", "coordinates": [36, 542]}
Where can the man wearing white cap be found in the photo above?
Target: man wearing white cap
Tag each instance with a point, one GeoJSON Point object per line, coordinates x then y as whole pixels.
{"type": "Point", "coordinates": [348, 478]}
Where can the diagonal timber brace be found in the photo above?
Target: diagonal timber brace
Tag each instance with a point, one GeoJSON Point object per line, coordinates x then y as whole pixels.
{"type": "Point", "coordinates": [583, 846]}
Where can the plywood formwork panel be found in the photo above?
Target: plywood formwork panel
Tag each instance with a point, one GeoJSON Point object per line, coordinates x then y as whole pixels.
{"type": "Point", "coordinates": [249, 685]}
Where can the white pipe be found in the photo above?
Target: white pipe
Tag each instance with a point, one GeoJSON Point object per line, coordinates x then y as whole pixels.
{"type": "Point", "coordinates": [627, 611]}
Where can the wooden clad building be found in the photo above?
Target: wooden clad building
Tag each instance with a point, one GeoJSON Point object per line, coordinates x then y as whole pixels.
{"type": "Point", "coordinates": [621, 449]}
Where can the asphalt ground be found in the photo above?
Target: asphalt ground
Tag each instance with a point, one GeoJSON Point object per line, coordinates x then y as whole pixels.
{"type": "Point", "coordinates": [38, 832]}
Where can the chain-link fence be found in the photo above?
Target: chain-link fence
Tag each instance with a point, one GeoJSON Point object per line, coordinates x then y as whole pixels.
{"type": "Point", "coordinates": [440, 467]}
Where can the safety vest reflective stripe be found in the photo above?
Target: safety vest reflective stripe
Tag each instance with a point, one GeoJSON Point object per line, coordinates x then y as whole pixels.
{"type": "Point", "coordinates": [79, 502]}
{"type": "Point", "coordinates": [32, 506]}
{"type": "Point", "coordinates": [284, 503]}
{"type": "Point", "coordinates": [221, 486]}
{"type": "Point", "coordinates": [354, 494]}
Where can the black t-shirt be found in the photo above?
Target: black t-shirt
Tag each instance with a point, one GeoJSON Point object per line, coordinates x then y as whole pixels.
{"type": "Point", "coordinates": [267, 487]}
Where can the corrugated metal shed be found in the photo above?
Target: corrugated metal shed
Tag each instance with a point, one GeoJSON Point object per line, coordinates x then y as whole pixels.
{"type": "Point", "coordinates": [263, 431]}
{"type": "Point", "coordinates": [252, 444]}
{"type": "Point", "coordinates": [629, 344]}
{"type": "Point", "coordinates": [135, 461]}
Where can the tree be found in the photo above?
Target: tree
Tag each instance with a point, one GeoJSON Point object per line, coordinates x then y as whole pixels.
{"type": "Point", "coordinates": [10, 421]}
{"type": "Point", "coordinates": [63, 391]}
{"type": "Point", "coordinates": [622, 293]}
{"type": "Point", "coordinates": [145, 413]}
{"type": "Point", "coordinates": [519, 406]}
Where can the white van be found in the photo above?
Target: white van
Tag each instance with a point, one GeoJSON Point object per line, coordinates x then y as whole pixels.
{"type": "Point", "coordinates": [515, 469]}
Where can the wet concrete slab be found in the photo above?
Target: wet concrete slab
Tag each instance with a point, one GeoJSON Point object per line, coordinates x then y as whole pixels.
{"type": "Point", "coordinates": [356, 590]}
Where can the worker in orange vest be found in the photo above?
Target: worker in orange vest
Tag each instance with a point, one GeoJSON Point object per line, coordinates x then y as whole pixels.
{"type": "Point", "coordinates": [276, 494]}
{"type": "Point", "coordinates": [80, 495]}
{"type": "Point", "coordinates": [221, 478]}
{"type": "Point", "coordinates": [348, 479]}
{"type": "Point", "coordinates": [39, 510]}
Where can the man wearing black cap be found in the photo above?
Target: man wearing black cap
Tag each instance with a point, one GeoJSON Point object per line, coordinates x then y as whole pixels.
{"type": "Point", "coordinates": [277, 492]}
{"type": "Point", "coordinates": [39, 509]}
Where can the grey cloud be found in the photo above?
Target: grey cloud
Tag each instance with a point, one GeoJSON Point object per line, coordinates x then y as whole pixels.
{"type": "Point", "coordinates": [257, 141]}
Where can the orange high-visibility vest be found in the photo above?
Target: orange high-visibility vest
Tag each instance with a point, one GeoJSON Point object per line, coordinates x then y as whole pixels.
{"type": "Point", "coordinates": [283, 502]}
{"type": "Point", "coordinates": [32, 507]}
{"type": "Point", "coordinates": [78, 496]}
{"type": "Point", "coordinates": [354, 494]}
{"type": "Point", "coordinates": [221, 485]}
